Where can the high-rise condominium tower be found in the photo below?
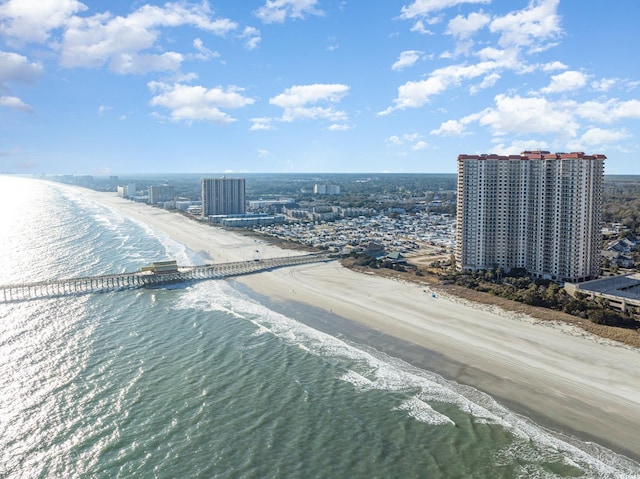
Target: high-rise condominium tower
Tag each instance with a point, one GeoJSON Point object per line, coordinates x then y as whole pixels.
{"type": "Point", "coordinates": [223, 196]}
{"type": "Point", "coordinates": [160, 193]}
{"type": "Point", "coordinates": [539, 211]}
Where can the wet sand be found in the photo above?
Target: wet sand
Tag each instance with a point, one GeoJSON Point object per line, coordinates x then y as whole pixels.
{"type": "Point", "coordinates": [556, 374]}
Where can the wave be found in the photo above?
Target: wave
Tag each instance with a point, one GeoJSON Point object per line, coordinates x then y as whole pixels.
{"type": "Point", "coordinates": [425, 391]}
{"type": "Point", "coordinates": [426, 396]}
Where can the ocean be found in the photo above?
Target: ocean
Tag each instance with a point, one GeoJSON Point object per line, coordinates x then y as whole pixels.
{"type": "Point", "coordinates": [204, 380]}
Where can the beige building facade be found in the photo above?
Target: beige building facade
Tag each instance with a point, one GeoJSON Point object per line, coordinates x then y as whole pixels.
{"type": "Point", "coordinates": [539, 211]}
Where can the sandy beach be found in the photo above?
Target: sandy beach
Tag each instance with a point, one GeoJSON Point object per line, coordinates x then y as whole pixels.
{"type": "Point", "coordinates": [556, 374]}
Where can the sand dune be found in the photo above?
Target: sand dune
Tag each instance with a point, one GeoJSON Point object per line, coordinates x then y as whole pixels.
{"type": "Point", "coordinates": [558, 375]}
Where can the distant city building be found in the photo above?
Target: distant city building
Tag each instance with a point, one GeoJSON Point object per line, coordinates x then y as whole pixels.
{"type": "Point", "coordinates": [223, 196]}
{"type": "Point", "coordinates": [264, 204]}
{"type": "Point", "coordinates": [184, 205]}
{"type": "Point", "coordinates": [160, 194]}
{"type": "Point", "coordinates": [244, 220]}
{"type": "Point", "coordinates": [539, 211]}
{"type": "Point", "coordinates": [320, 189]}
{"type": "Point", "coordinates": [127, 191]}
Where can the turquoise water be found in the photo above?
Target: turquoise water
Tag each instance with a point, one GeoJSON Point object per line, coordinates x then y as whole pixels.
{"type": "Point", "coordinates": [205, 381]}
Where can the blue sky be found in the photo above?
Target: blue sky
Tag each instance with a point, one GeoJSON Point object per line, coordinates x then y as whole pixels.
{"type": "Point", "coordinates": [115, 87]}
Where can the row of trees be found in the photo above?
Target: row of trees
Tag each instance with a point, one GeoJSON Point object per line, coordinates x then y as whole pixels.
{"type": "Point", "coordinates": [518, 287]}
{"type": "Point", "coordinates": [622, 203]}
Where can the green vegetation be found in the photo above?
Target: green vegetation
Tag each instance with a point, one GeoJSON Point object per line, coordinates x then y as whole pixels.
{"type": "Point", "coordinates": [517, 286]}
{"type": "Point", "coordinates": [622, 202]}
{"type": "Point", "coordinates": [377, 263]}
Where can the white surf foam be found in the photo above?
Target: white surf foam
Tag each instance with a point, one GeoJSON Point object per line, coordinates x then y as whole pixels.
{"type": "Point", "coordinates": [368, 370]}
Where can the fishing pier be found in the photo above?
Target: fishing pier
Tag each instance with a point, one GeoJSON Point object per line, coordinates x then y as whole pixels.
{"type": "Point", "coordinates": [158, 274]}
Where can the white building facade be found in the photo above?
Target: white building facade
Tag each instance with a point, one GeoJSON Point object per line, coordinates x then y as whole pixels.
{"type": "Point", "coordinates": [127, 191]}
{"type": "Point", "coordinates": [539, 211]}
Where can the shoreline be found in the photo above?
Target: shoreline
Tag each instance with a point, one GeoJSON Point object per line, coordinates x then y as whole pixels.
{"type": "Point", "coordinates": [360, 334]}
{"type": "Point", "coordinates": [561, 380]}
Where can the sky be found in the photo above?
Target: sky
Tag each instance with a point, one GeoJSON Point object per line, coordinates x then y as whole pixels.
{"type": "Point", "coordinates": [107, 87]}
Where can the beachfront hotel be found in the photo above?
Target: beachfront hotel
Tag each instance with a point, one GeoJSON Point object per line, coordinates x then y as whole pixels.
{"type": "Point", "coordinates": [539, 211]}
{"type": "Point", "coordinates": [223, 196]}
{"type": "Point", "coordinates": [160, 194]}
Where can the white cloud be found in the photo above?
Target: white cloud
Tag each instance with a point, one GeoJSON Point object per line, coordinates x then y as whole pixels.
{"type": "Point", "coordinates": [420, 28]}
{"type": "Point", "coordinates": [530, 27]}
{"type": "Point", "coordinates": [192, 103]}
{"type": "Point", "coordinates": [411, 136]}
{"type": "Point", "coordinates": [204, 52]}
{"type": "Point", "coordinates": [297, 102]}
{"type": "Point", "coordinates": [277, 11]}
{"type": "Point", "coordinates": [465, 27]}
{"type": "Point", "coordinates": [626, 110]}
{"type": "Point", "coordinates": [413, 140]}
{"type": "Point", "coordinates": [263, 153]}
{"type": "Point", "coordinates": [17, 68]}
{"type": "Point", "coordinates": [525, 115]}
{"type": "Point", "coordinates": [252, 37]}
{"type": "Point", "coordinates": [138, 64]}
{"type": "Point", "coordinates": [261, 124]}
{"type": "Point", "coordinates": [118, 41]}
{"type": "Point", "coordinates": [450, 128]}
{"type": "Point", "coordinates": [406, 59]}
{"type": "Point", "coordinates": [338, 127]}
{"type": "Point", "coordinates": [14, 103]}
{"type": "Point", "coordinates": [552, 66]}
{"type": "Point", "coordinates": [560, 121]}
{"type": "Point", "coordinates": [604, 85]}
{"type": "Point", "coordinates": [519, 146]}
{"type": "Point", "coordinates": [533, 28]}
{"type": "Point", "coordinates": [567, 81]}
{"type": "Point", "coordinates": [332, 44]}
{"type": "Point", "coordinates": [423, 8]}
{"type": "Point", "coordinates": [33, 20]}
{"type": "Point", "coordinates": [507, 57]}
{"type": "Point", "coordinates": [600, 137]}
{"type": "Point", "coordinates": [607, 111]}
{"type": "Point", "coordinates": [415, 94]}
{"type": "Point", "coordinates": [487, 82]}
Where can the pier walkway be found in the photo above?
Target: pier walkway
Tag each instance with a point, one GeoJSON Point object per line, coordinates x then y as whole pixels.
{"type": "Point", "coordinates": [140, 279]}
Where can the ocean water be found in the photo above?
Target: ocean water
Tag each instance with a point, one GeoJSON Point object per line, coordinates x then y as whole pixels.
{"type": "Point", "coordinates": [204, 381]}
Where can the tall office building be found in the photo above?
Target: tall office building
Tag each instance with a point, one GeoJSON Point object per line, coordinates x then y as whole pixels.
{"type": "Point", "coordinates": [539, 211]}
{"type": "Point", "coordinates": [223, 196]}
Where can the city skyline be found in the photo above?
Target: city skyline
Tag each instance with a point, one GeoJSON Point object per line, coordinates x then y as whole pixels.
{"type": "Point", "coordinates": [311, 86]}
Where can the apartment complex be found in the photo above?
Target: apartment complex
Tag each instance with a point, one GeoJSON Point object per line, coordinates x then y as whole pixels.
{"type": "Point", "coordinates": [223, 196]}
{"type": "Point", "coordinates": [160, 194]}
{"type": "Point", "coordinates": [127, 191]}
{"type": "Point", "coordinates": [326, 189]}
{"type": "Point", "coordinates": [539, 211]}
